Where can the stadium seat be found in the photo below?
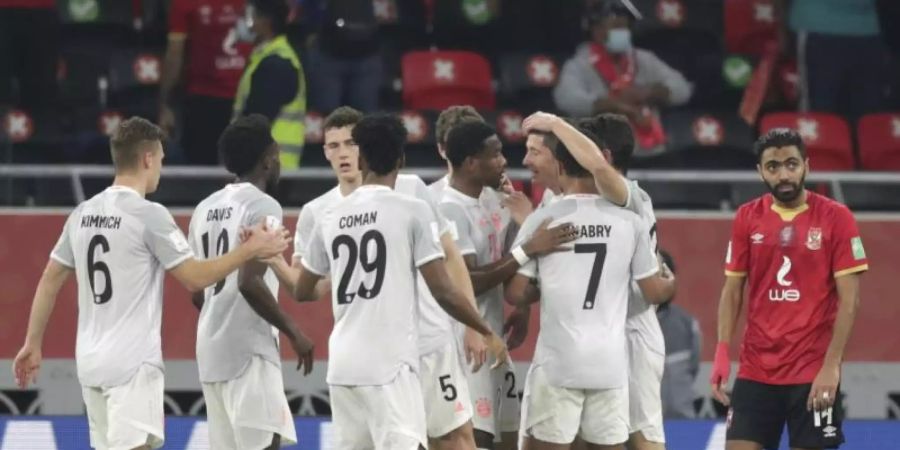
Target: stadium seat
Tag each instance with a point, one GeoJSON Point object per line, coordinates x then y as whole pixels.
{"type": "Point", "coordinates": [135, 68]}
{"type": "Point", "coordinates": [827, 137]}
{"type": "Point", "coordinates": [96, 12]}
{"type": "Point", "coordinates": [879, 141]}
{"type": "Point", "coordinates": [704, 140]}
{"type": "Point", "coordinates": [749, 24]}
{"type": "Point", "coordinates": [527, 80]}
{"type": "Point", "coordinates": [871, 197]}
{"type": "Point", "coordinates": [702, 15]}
{"type": "Point", "coordinates": [436, 80]}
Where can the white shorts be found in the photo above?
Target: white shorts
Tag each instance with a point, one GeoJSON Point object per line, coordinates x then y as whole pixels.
{"type": "Point", "coordinates": [388, 417]}
{"type": "Point", "coordinates": [244, 413]}
{"type": "Point", "coordinates": [129, 415]}
{"type": "Point", "coordinates": [495, 399]}
{"type": "Point", "coordinates": [557, 414]}
{"type": "Point", "coordinates": [444, 390]}
{"type": "Point", "coordinates": [645, 371]}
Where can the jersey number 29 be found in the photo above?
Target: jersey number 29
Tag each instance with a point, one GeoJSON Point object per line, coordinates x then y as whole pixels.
{"type": "Point", "coordinates": [369, 263]}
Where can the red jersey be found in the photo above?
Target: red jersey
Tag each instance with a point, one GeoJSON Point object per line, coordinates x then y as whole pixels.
{"type": "Point", "coordinates": [791, 258]}
{"type": "Point", "coordinates": [31, 4]}
{"type": "Point", "coordinates": [215, 59]}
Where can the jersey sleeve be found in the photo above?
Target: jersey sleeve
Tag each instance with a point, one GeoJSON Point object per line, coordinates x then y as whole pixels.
{"type": "Point", "coordinates": [315, 256]}
{"type": "Point", "coordinates": [178, 17]}
{"type": "Point", "coordinates": [424, 194]}
{"type": "Point", "coordinates": [62, 251]}
{"type": "Point", "coordinates": [847, 252]}
{"type": "Point", "coordinates": [643, 263]}
{"type": "Point", "coordinates": [529, 226]}
{"type": "Point", "coordinates": [266, 208]}
{"type": "Point", "coordinates": [163, 237]}
{"type": "Point", "coordinates": [738, 253]}
{"type": "Point", "coordinates": [305, 225]}
{"type": "Point", "coordinates": [460, 227]}
{"type": "Point", "coordinates": [426, 236]}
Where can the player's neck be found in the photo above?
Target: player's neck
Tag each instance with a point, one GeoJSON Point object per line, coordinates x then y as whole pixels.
{"type": "Point", "coordinates": [466, 185]}
{"type": "Point", "coordinates": [373, 179]}
{"type": "Point", "coordinates": [347, 186]}
{"type": "Point", "coordinates": [257, 181]}
{"type": "Point", "coordinates": [131, 181]}
{"type": "Point", "coordinates": [796, 203]}
{"type": "Point", "coordinates": [578, 186]}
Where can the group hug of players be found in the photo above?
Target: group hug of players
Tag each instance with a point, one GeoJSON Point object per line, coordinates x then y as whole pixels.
{"type": "Point", "coordinates": [418, 276]}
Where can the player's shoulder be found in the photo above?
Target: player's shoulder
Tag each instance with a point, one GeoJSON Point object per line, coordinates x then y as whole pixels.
{"type": "Point", "coordinates": [826, 206]}
{"type": "Point", "coordinates": [754, 208]}
{"type": "Point", "coordinates": [409, 181]}
{"type": "Point", "coordinates": [324, 200]}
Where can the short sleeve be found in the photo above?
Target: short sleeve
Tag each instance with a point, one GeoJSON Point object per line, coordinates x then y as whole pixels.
{"type": "Point", "coordinates": [305, 225]}
{"type": "Point", "coordinates": [643, 263]}
{"type": "Point", "coordinates": [178, 16]}
{"type": "Point", "coordinates": [426, 236]}
{"type": "Point", "coordinates": [266, 208]}
{"type": "Point", "coordinates": [738, 252]}
{"type": "Point", "coordinates": [163, 237]}
{"type": "Point", "coordinates": [460, 227]}
{"type": "Point", "coordinates": [531, 223]}
{"type": "Point", "coordinates": [424, 194]}
{"type": "Point", "coordinates": [62, 251]}
{"type": "Point", "coordinates": [315, 255]}
{"type": "Point", "coordinates": [847, 252]}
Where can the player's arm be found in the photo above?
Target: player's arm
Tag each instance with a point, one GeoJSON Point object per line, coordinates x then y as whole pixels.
{"type": "Point", "coordinates": [657, 288]}
{"type": "Point", "coordinates": [173, 63]}
{"type": "Point", "coordinates": [607, 178]}
{"type": "Point", "coordinates": [522, 291]}
{"type": "Point", "coordinates": [198, 299]}
{"type": "Point", "coordinates": [311, 268]}
{"type": "Point", "coordinates": [253, 288]}
{"type": "Point", "coordinates": [28, 361]}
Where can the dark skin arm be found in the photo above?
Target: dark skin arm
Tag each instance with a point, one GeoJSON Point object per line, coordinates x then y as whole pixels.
{"type": "Point", "coordinates": [264, 304]}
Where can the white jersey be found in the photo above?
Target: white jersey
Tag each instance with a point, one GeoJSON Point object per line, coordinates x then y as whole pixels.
{"type": "Point", "coordinates": [435, 325]}
{"type": "Point", "coordinates": [584, 293]}
{"type": "Point", "coordinates": [549, 198]}
{"type": "Point", "coordinates": [120, 245]}
{"type": "Point", "coordinates": [371, 244]}
{"type": "Point", "coordinates": [229, 332]}
{"type": "Point", "coordinates": [642, 315]}
{"type": "Point", "coordinates": [480, 226]}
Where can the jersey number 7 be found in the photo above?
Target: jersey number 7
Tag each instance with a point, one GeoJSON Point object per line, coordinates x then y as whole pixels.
{"type": "Point", "coordinates": [599, 251]}
{"type": "Point", "coordinates": [368, 263]}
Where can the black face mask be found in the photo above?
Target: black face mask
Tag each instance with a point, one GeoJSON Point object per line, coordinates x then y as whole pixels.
{"type": "Point", "coordinates": [787, 196]}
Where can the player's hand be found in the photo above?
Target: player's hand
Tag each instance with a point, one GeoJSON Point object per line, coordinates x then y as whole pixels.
{"type": "Point", "coordinates": [303, 347]}
{"type": "Point", "coordinates": [497, 348]}
{"type": "Point", "coordinates": [27, 365]}
{"type": "Point", "coordinates": [549, 240]}
{"type": "Point", "coordinates": [476, 349]}
{"type": "Point", "coordinates": [166, 119]}
{"type": "Point", "coordinates": [721, 370]}
{"type": "Point", "coordinates": [515, 329]}
{"type": "Point", "coordinates": [539, 121]}
{"type": "Point", "coordinates": [265, 243]}
{"type": "Point", "coordinates": [519, 206]}
{"type": "Point", "coordinates": [823, 393]}
{"type": "Point", "coordinates": [506, 185]}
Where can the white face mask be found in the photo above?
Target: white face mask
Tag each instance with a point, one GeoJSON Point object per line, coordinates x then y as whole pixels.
{"type": "Point", "coordinates": [618, 40]}
{"type": "Point", "coordinates": [244, 26]}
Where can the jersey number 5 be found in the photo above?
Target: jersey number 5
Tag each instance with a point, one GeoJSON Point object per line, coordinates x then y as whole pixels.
{"type": "Point", "coordinates": [368, 262]}
{"type": "Point", "coordinates": [221, 249]}
{"type": "Point", "coordinates": [95, 266]}
{"type": "Point", "coordinates": [599, 251]}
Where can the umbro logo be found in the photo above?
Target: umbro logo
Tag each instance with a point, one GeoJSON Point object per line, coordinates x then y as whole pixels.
{"type": "Point", "coordinates": [830, 431]}
{"type": "Point", "coordinates": [757, 238]}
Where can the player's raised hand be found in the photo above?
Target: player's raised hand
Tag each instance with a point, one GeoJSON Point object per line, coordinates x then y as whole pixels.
{"type": "Point", "coordinates": [27, 365]}
{"type": "Point", "coordinates": [476, 349]}
{"type": "Point", "coordinates": [519, 206]}
{"type": "Point", "coordinates": [721, 370]}
{"type": "Point", "coordinates": [823, 392]}
{"type": "Point", "coordinates": [497, 348]}
{"type": "Point", "coordinates": [539, 121]}
{"type": "Point", "coordinates": [549, 240]}
{"type": "Point", "coordinates": [303, 347]}
{"type": "Point", "coordinates": [506, 185]}
{"type": "Point", "coordinates": [515, 329]}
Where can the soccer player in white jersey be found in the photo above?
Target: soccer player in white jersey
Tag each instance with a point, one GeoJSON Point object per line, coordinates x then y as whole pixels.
{"type": "Point", "coordinates": [475, 152]}
{"type": "Point", "coordinates": [237, 335]}
{"type": "Point", "coordinates": [442, 377]}
{"type": "Point", "coordinates": [371, 244]}
{"type": "Point", "coordinates": [120, 245]}
{"type": "Point", "coordinates": [645, 340]}
{"type": "Point", "coordinates": [577, 384]}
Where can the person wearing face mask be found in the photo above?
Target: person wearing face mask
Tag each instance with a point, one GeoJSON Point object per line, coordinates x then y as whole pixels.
{"type": "Point", "coordinates": [608, 74]}
{"type": "Point", "coordinates": [273, 83]}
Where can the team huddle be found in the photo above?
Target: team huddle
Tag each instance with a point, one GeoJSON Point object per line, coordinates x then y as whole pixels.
{"type": "Point", "coordinates": [417, 274]}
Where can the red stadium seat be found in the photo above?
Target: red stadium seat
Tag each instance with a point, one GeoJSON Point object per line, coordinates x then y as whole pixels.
{"type": "Point", "coordinates": [749, 24]}
{"type": "Point", "coordinates": [879, 141]}
{"type": "Point", "coordinates": [827, 137]}
{"type": "Point", "coordinates": [436, 80]}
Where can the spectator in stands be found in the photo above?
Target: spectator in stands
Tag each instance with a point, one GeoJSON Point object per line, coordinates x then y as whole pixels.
{"type": "Point", "coordinates": [273, 83]}
{"type": "Point", "coordinates": [203, 34]}
{"type": "Point", "coordinates": [682, 335]}
{"type": "Point", "coordinates": [343, 53]}
{"type": "Point", "coordinates": [29, 53]}
{"type": "Point", "coordinates": [841, 58]}
{"type": "Point", "coordinates": [607, 74]}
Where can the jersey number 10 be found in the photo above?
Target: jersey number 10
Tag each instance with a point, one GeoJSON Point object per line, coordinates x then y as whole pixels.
{"type": "Point", "coordinates": [368, 262]}
{"type": "Point", "coordinates": [221, 249]}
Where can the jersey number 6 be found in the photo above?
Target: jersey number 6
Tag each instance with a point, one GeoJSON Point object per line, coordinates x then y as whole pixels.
{"type": "Point", "coordinates": [99, 266]}
{"type": "Point", "coordinates": [368, 263]}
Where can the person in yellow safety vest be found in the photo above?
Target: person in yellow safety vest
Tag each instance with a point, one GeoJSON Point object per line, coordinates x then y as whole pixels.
{"type": "Point", "coordinates": [273, 83]}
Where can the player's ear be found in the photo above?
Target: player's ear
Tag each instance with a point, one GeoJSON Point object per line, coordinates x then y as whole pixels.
{"type": "Point", "coordinates": [607, 154]}
{"type": "Point", "coordinates": [759, 170]}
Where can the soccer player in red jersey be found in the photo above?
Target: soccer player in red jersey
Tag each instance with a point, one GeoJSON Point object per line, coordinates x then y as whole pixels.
{"type": "Point", "coordinates": [801, 255]}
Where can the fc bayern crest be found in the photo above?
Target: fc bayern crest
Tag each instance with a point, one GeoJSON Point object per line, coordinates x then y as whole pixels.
{"type": "Point", "coordinates": [814, 239]}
